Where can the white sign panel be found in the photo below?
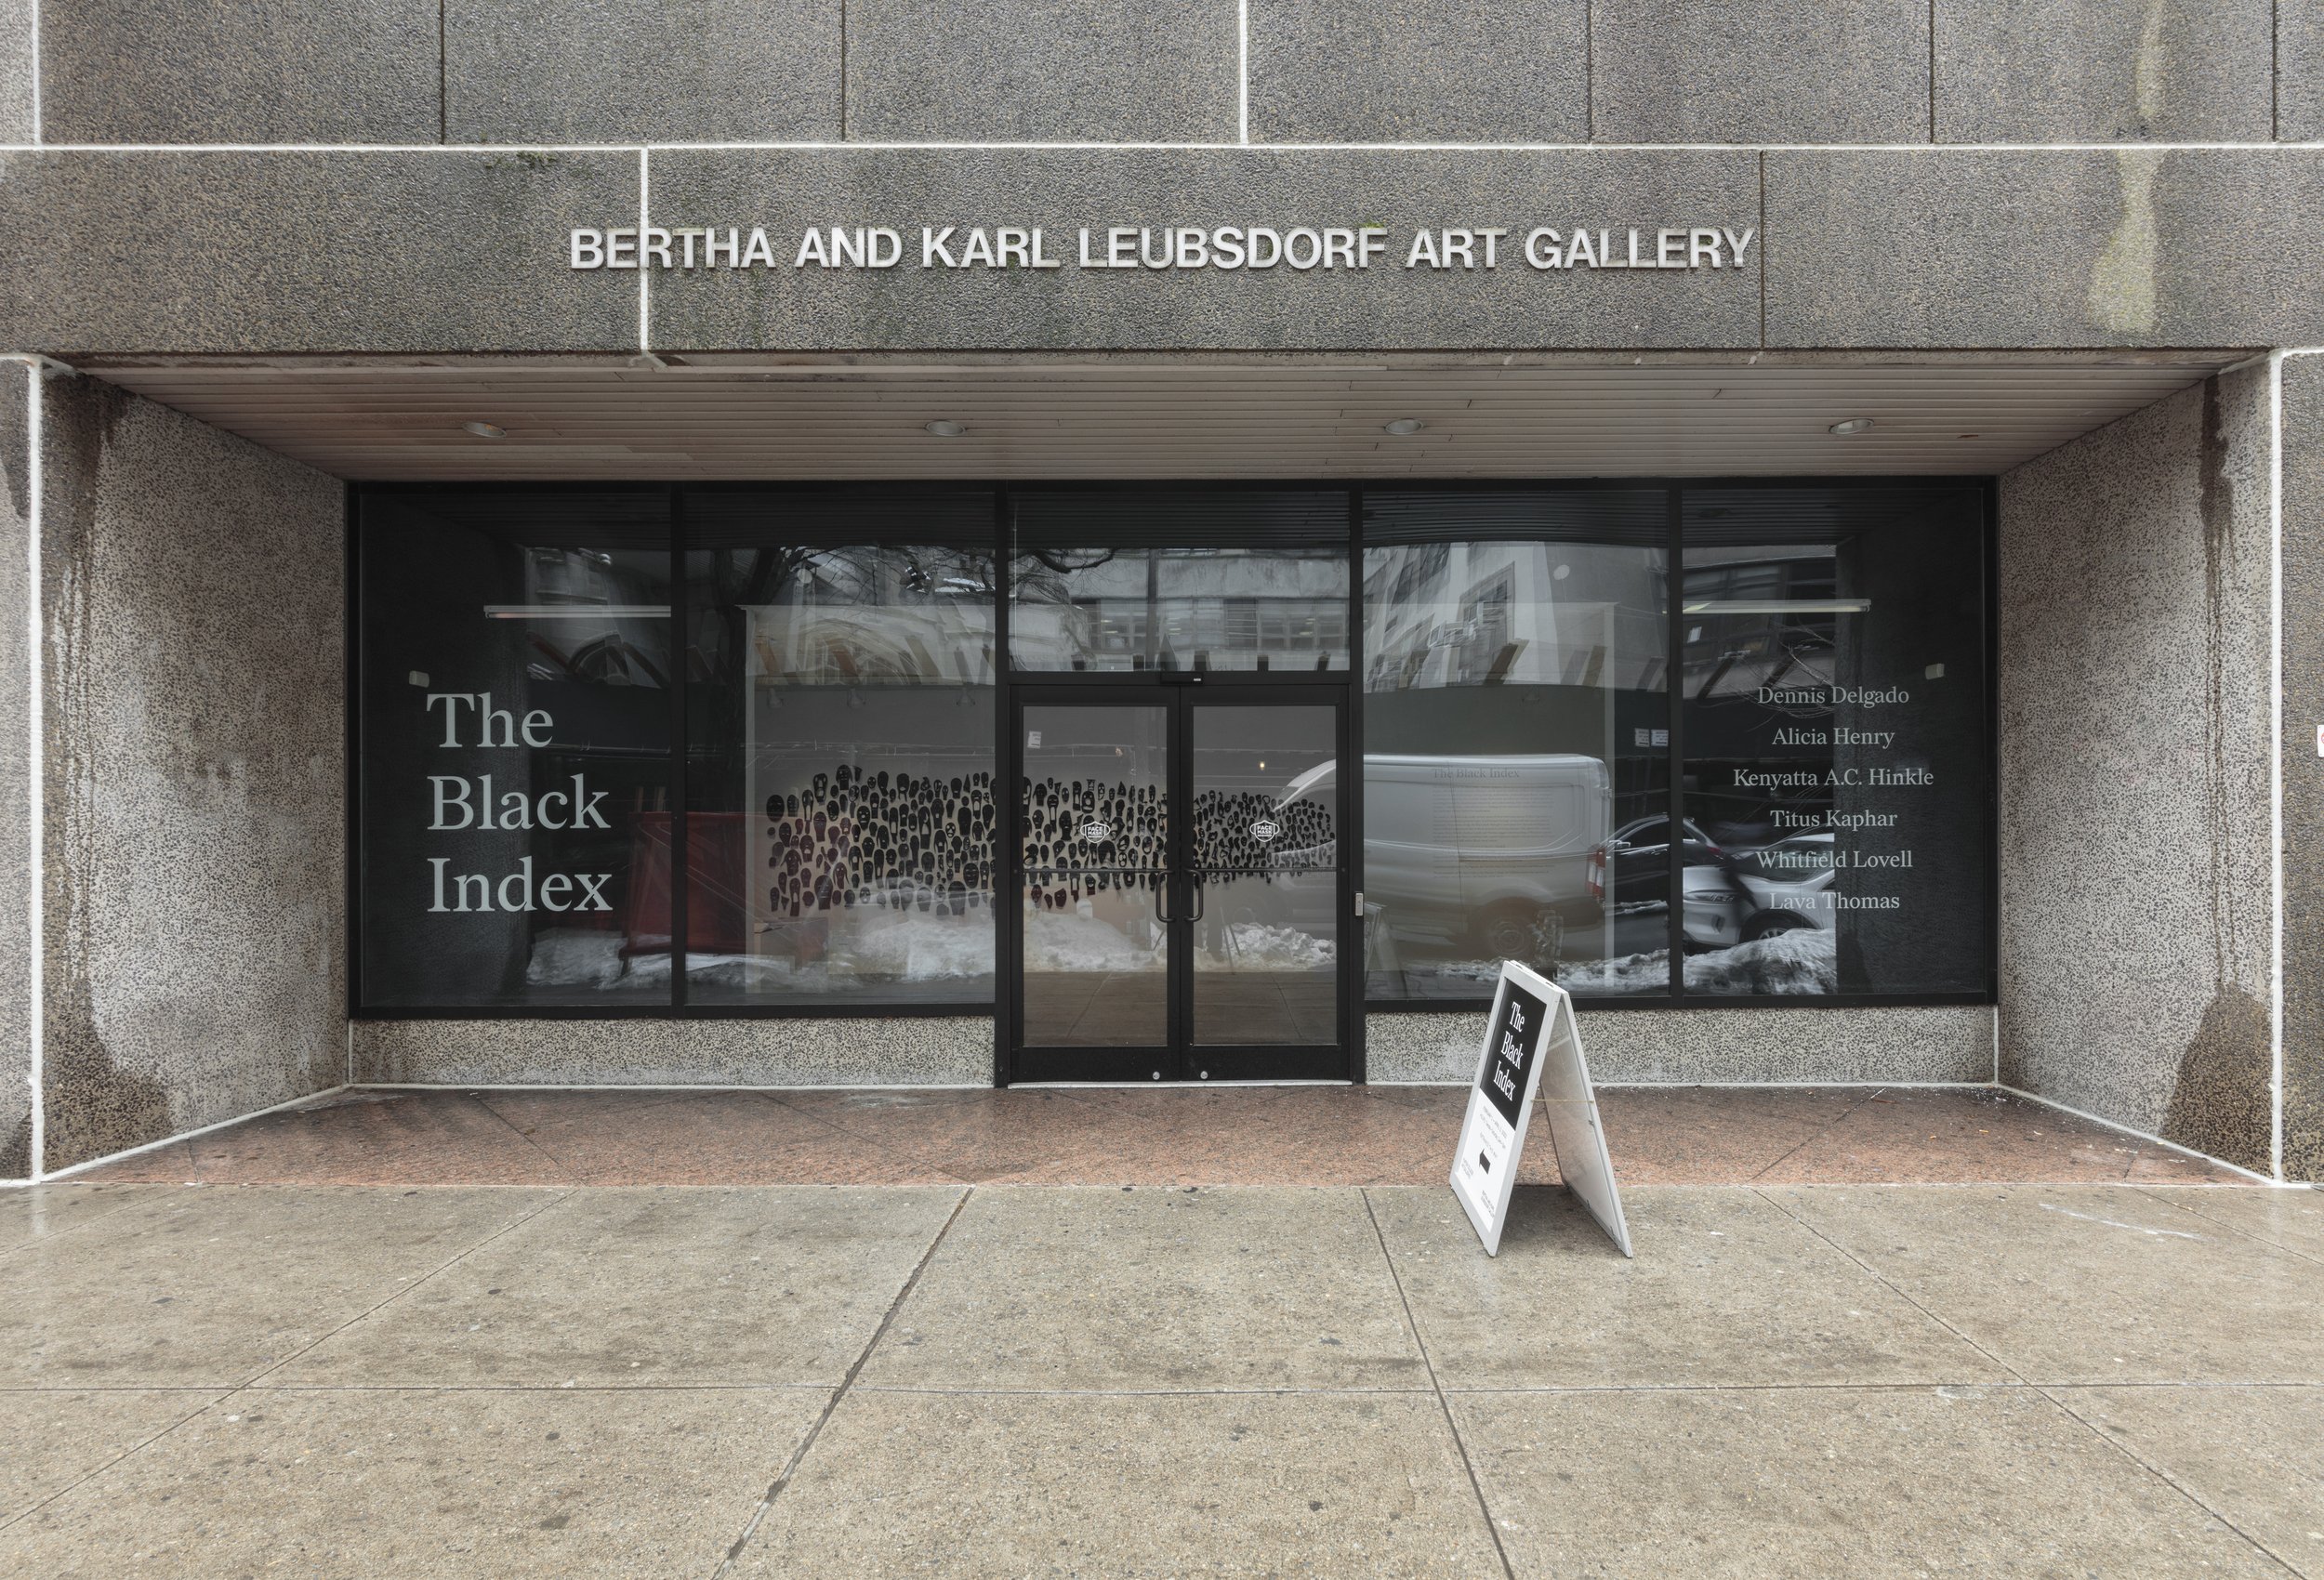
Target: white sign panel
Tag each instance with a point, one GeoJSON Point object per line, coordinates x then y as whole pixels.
{"type": "Point", "coordinates": [1532, 1047]}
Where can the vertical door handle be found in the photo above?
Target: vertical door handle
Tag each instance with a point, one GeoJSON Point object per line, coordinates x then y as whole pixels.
{"type": "Point", "coordinates": [1161, 892]}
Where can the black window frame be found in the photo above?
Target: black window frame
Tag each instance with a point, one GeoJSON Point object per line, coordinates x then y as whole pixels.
{"type": "Point", "coordinates": [1004, 493]}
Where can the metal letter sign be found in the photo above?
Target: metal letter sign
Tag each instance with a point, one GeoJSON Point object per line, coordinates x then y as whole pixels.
{"type": "Point", "coordinates": [1532, 1045]}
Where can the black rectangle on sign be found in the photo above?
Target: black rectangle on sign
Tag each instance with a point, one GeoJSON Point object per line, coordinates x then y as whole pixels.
{"type": "Point", "coordinates": [1516, 1037]}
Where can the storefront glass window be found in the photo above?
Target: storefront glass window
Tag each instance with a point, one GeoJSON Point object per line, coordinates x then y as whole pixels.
{"type": "Point", "coordinates": [1129, 580]}
{"type": "Point", "coordinates": [1835, 731]}
{"type": "Point", "coordinates": [1516, 740]}
{"type": "Point", "coordinates": [514, 761]}
{"type": "Point", "coordinates": [813, 672]}
{"type": "Point", "coordinates": [839, 766]}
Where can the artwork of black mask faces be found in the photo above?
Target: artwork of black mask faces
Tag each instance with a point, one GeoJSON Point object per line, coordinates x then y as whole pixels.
{"type": "Point", "coordinates": [1074, 825]}
{"type": "Point", "coordinates": [894, 840]}
{"type": "Point", "coordinates": [926, 843]}
{"type": "Point", "coordinates": [1228, 825]}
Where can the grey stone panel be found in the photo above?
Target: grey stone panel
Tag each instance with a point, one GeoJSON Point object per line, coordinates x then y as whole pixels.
{"type": "Point", "coordinates": [2299, 69]}
{"type": "Point", "coordinates": [1420, 70]}
{"type": "Point", "coordinates": [2135, 695]}
{"type": "Point", "coordinates": [19, 68]}
{"type": "Point", "coordinates": [310, 252]}
{"type": "Point", "coordinates": [1063, 190]}
{"type": "Point", "coordinates": [1776, 71]}
{"type": "Point", "coordinates": [193, 778]}
{"type": "Point", "coordinates": [197, 71]}
{"type": "Point", "coordinates": [599, 71]}
{"type": "Point", "coordinates": [1941, 1042]}
{"type": "Point", "coordinates": [18, 516]}
{"type": "Point", "coordinates": [945, 1050]}
{"type": "Point", "coordinates": [2303, 706]}
{"type": "Point", "coordinates": [2073, 71]}
{"type": "Point", "coordinates": [1037, 70]}
{"type": "Point", "coordinates": [2134, 246]}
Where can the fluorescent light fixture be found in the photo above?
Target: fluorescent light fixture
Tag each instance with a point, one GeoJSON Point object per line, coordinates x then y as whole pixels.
{"type": "Point", "coordinates": [1403, 426]}
{"type": "Point", "coordinates": [1853, 427]}
{"type": "Point", "coordinates": [1778, 606]}
{"type": "Point", "coordinates": [577, 612]}
{"type": "Point", "coordinates": [486, 430]}
{"type": "Point", "coordinates": [945, 428]}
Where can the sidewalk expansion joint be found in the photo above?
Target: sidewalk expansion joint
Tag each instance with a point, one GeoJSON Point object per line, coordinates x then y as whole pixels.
{"type": "Point", "coordinates": [515, 1223]}
{"type": "Point", "coordinates": [1484, 1509]}
{"type": "Point", "coordinates": [846, 1383]}
{"type": "Point", "coordinates": [2171, 1199]}
{"type": "Point", "coordinates": [227, 1391]}
{"type": "Point", "coordinates": [2044, 1390]}
{"type": "Point", "coordinates": [1891, 1286]}
{"type": "Point", "coordinates": [1872, 1095]}
{"type": "Point", "coordinates": [2049, 1392]}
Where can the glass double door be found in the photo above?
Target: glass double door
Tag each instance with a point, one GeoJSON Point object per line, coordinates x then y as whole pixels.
{"type": "Point", "coordinates": [1182, 884]}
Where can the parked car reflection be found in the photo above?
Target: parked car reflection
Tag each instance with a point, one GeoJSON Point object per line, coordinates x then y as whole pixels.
{"type": "Point", "coordinates": [1631, 874]}
{"type": "Point", "coordinates": [1732, 896]}
{"type": "Point", "coordinates": [1776, 888]}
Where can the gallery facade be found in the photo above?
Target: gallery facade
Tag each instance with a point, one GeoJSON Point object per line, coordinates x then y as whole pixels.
{"type": "Point", "coordinates": [900, 547]}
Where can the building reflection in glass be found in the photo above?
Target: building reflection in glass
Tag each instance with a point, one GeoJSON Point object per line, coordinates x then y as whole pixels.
{"type": "Point", "coordinates": [1516, 740]}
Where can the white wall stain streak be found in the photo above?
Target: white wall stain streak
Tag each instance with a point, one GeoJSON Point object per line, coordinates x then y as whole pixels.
{"type": "Point", "coordinates": [2122, 296]}
{"type": "Point", "coordinates": [2147, 76]}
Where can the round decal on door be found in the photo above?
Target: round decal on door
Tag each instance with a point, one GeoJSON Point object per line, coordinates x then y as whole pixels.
{"type": "Point", "coordinates": [1265, 829]}
{"type": "Point", "coordinates": [1097, 831]}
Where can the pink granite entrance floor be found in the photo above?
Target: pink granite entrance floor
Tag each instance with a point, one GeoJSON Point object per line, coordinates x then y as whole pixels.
{"type": "Point", "coordinates": [1220, 1135]}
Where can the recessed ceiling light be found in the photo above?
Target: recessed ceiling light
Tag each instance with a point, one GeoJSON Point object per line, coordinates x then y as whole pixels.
{"type": "Point", "coordinates": [945, 428]}
{"type": "Point", "coordinates": [1853, 427]}
{"type": "Point", "coordinates": [1402, 427]}
{"type": "Point", "coordinates": [486, 430]}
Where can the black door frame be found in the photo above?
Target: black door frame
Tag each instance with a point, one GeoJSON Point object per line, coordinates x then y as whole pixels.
{"type": "Point", "coordinates": [1183, 692]}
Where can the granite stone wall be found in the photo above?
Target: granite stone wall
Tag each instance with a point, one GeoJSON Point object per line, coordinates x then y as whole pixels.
{"type": "Point", "coordinates": [2135, 639]}
{"type": "Point", "coordinates": [1886, 1045]}
{"type": "Point", "coordinates": [929, 1050]}
{"type": "Point", "coordinates": [18, 71]}
{"type": "Point", "coordinates": [192, 791]}
{"type": "Point", "coordinates": [1946, 1043]}
{"type": "Point", "coordinates": [2303, 767]}
{"type": "Point", "coordinates": [17, 381]}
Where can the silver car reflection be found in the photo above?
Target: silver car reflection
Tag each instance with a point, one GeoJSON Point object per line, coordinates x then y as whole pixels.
{"type": "Point", "coordinates": [1748, 895]}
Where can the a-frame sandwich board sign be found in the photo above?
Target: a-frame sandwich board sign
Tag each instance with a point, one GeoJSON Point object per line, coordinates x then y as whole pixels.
{"type": "Point", "coordinates": [1532, 1048]}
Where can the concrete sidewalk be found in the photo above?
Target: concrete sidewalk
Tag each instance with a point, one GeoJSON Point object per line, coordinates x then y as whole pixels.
{"type": "Point", "coordinates": [944, 1381]}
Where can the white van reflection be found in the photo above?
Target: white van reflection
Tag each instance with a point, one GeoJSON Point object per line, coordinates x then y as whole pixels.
{"type": "Point", "coordinates": [1484, 855]}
